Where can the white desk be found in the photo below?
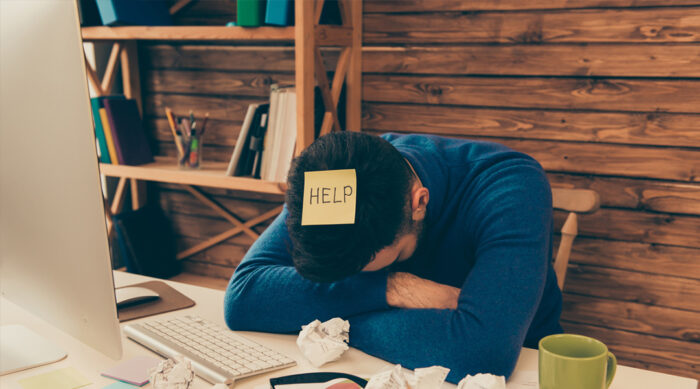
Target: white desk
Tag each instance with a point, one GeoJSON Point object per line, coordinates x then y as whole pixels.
{"type": "Point", "coordinates": [210, 306]}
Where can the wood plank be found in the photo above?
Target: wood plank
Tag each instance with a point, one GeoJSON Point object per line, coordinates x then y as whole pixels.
{"type": "Point", "coordinates": [641, 288]}
{"type": "Point", "coordinates": [628, 60]}
{"type": "Point", "coordinates": [211, 12]}
{"type": "Point", "coordinates": [550, 93]}
{"type": "Point", "coordinates": [178, 201]}
{"type": "Point", "coordinates": [635, 226]}
{"type": "Point", "coordinates": [304, 62]}
{"type": "Point", "coordinates": [210, 174]}
{"type": "Point", "coordinates": [251, 196]}
{"type": "Point", "coordinates": [326, 34]}
{"type": "Point", "coordinates": [396, 6]}
{"type": "Point", "coordinates": [591, 60]}
{"type": "Point", "coordinates": [659, 321]}
{"type": "Point", "coordinates": [203, 228]}
{"type": "Point", "coordinates": [649, 195]}
{"type": "Point", "coordinates": [214, 82]}
{"type": "Point", "coordinates": [225, 254]}
{"type": "Point", "coordinates": [645, 351]}
{"type": "Point", "coordinates": [635, 256]}
{"type": "Point", "coordinates": [233, 58]}
{"type": "Point", "coordinates": [626, 128]}
{"type": "Point", "coordinates": [220, 108]}
{"type": "Point", "coordinates": [210, 154]}
{"type": "Point", "coordinates": [642, 25]}
{"type": "Point", "coordinates": [604, 159]}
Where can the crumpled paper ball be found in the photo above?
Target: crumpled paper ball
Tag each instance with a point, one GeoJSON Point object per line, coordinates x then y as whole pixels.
{"type": "Point", "coordinates": [324, 342]}
{"type": "Point", "coordinates": [482, 381]}
{"type": "Point", "coordinates": [422, 378]}
{"type": "Point", "coordinates": [172, 374]}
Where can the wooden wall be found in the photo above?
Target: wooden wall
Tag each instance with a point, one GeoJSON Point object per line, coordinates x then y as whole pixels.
{"type": "Point", "coordinates": [605, 94]}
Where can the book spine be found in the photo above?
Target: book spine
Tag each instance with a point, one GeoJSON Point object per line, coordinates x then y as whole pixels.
{"type": "Point", "coordinates": [108, 137]}
{"type": "Point", "coordinates": [250, 13]}
{"type": "Point", "coordinates": [278, 12]}
{"type": "Point", "coordinates": [115, 135]}
{"type": "Point", "coordinates": [99, 131]}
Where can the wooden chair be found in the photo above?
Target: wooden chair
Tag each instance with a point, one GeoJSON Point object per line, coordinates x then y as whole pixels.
{"type": "Point", "coordinates": [574, 201]}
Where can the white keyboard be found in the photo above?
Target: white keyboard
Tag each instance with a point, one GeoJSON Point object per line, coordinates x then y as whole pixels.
{"type": "Point", "coordinates": [217, 354]}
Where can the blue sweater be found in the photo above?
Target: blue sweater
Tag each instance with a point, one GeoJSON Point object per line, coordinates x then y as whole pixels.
{"type": "Point", "coordinates": [488, 231]}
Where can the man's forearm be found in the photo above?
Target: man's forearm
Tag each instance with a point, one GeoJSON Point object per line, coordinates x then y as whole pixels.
{"type": "Point", "coordinates": [405, 290]}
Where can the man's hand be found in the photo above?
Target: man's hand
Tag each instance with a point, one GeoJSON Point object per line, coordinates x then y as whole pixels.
{"type": "Point", "coordinates": [405, 290]}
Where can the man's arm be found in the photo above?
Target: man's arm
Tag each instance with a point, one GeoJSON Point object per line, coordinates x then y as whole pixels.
{"type": "Point", "coordinates": [266, 293]}
{"type": "Point", "coordinates": [498, 300]}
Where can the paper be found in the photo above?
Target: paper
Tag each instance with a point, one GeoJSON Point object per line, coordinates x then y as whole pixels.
{"type": "Point", "coordinates": [329, 197]}
{"type": "Point", "coordinates": [524, 379]}
{"type": "Point", "coordinates": [338, 383]}
{"type": "Point", "coordinates": [324, 342]}
{"type": "Point", "coordinates": [172, 374]}
{"type": "Point", "coordinates": [482, 381]}
{"type": "Point", "coordinates": [120, 385]}
{"type": "Point", "coordinates": [67, 378]}
{"type": "Point", "coordinates": [224, 386]}
{"type": "Point", "coordinates": [134, 371]}
{"type": "Point", "coordinates": [423, 378]}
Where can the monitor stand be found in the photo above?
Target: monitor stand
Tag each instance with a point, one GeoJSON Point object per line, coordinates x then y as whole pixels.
{"type": "Point", "coordinates": [22, 348]}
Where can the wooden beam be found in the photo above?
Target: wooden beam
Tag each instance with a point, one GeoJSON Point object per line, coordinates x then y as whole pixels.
{"type": "Point", "coordinates": [353, 110]}
{"type": "Point", "coordinates": [218, 208]}
{"type": "Point", "coordinates": [304, 48]}
{"type": "Point", "coordinates": [119, 195]}
{"type": "Point", "coordinates": [340, 74]}
{"type": "Point", "coordinates": [227, 234]}
{"type": "Point", "coordinates": [345, 12]}
{"type": "Point", "coordinates": [318, 10]}
{"type": "Point", "coordinates": [131, 80]}
{"type": "Point", "coordinates": [324, 87]}
{"type": "Point", "coordinates": [92, 76]}
{"type": "Point", "coordinates": [110, 71]}
{"type": "Point", "coordinates": [177, 7]}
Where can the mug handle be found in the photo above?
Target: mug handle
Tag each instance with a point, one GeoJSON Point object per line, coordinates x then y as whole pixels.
{"type": "Point", "coordinates": [612, 367]}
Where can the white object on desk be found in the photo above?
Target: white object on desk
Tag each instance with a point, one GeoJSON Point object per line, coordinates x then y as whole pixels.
{"type": "Point", "coordinates": [22, 348]}
{"type": "Point", "coordinates": [210, 305]}
{"type": "Point", "coordinates": [134, 294]}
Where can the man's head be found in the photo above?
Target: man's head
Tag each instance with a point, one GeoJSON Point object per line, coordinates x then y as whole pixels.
{"type": "Point", "coordinates": [391, 205]}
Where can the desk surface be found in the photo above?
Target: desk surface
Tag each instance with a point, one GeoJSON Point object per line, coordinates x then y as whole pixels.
{"type": "Point", "coordinates": [210, 306]}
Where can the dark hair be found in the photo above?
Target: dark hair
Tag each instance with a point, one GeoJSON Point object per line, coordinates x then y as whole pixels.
{"type": "Point", "coordinates": [329, 253]}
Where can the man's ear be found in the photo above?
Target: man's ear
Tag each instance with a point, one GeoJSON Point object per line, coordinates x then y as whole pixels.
{"type": "Point", "coordinates": [419, 201]}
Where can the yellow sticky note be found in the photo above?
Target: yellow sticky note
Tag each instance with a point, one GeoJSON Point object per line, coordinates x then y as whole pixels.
{"type": "Point", "coordinates": [67, 378]}
{"type": "Point", "coordinates": [330, 197]}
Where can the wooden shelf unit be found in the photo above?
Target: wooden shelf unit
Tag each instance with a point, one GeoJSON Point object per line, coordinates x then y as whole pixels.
{"type": "Point", "coordinates": [306, 35]}
{"type": "Point", "coordinates": [210, 174]}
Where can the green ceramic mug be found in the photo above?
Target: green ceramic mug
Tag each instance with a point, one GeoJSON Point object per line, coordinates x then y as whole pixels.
{"type": "Point", "coordinates": [569, 361]}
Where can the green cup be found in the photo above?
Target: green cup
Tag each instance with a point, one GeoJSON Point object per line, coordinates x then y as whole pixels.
{"type": "Point", "coordinates": [569, 361]}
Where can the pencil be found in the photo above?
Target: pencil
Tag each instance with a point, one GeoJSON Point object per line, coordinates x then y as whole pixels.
{"type": "Point", "coordinates": [171, 122]}
{"type": "Point", "coordinates": [204, 124]}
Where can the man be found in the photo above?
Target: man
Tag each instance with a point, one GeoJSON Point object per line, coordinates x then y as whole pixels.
{"type": "Point", "coordinates": [447, 261]}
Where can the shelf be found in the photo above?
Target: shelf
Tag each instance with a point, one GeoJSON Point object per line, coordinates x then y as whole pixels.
{"type": "Point", "coordinates": [327, 35]}
{"type": "Point", "coordinates": [211, 174]}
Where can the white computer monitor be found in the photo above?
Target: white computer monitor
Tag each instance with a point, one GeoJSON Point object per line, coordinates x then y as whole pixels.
{"type": "Point", "coordinates": [54, 253]}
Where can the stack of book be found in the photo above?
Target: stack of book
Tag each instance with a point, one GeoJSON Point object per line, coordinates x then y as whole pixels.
{"type": "Point", "coordinates": [121, 139]}
{"type": "Point", "coordinates": [266, 142]}
{"type": "Point", "coordinates": [254, 13]}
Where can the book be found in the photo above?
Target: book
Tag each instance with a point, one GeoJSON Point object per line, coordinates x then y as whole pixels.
{"type": "Point", "coordinates": [128, 133]}
{"type": "Point", "coordinates": [99, 131]}
{"type": "Point", "coordinates": [242, 136]}
{"type": "Point", "coordinates": [254, 143]}
{"type": "Point", "coordinates": [268, 143]}
{"type": "Point", "coordinates": [107, 129]}
{"type": "Point", "coordinates": [245, 165]}
{"type": "Point", "coordinates": [288, 136]}
{"type": "Point", "coordinates": [134, 12]}
{"type": "Point", "coordinates": [250, 13]}
{"type": "Point", "coordinates": [279, 13]}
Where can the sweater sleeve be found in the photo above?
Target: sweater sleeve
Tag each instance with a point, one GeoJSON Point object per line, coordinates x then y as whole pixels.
{"type": "Point", "coordinates": [267, 294]}
{"type": "Point", "coordinates": [511, 221]}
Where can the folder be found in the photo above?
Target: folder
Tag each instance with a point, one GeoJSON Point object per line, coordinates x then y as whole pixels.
{"type": "Point", "coordinates": [250, 13]}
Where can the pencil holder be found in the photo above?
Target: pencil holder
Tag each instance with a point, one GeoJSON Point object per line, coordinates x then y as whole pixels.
{"type": "Point", "coordinates": [191, 156]}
